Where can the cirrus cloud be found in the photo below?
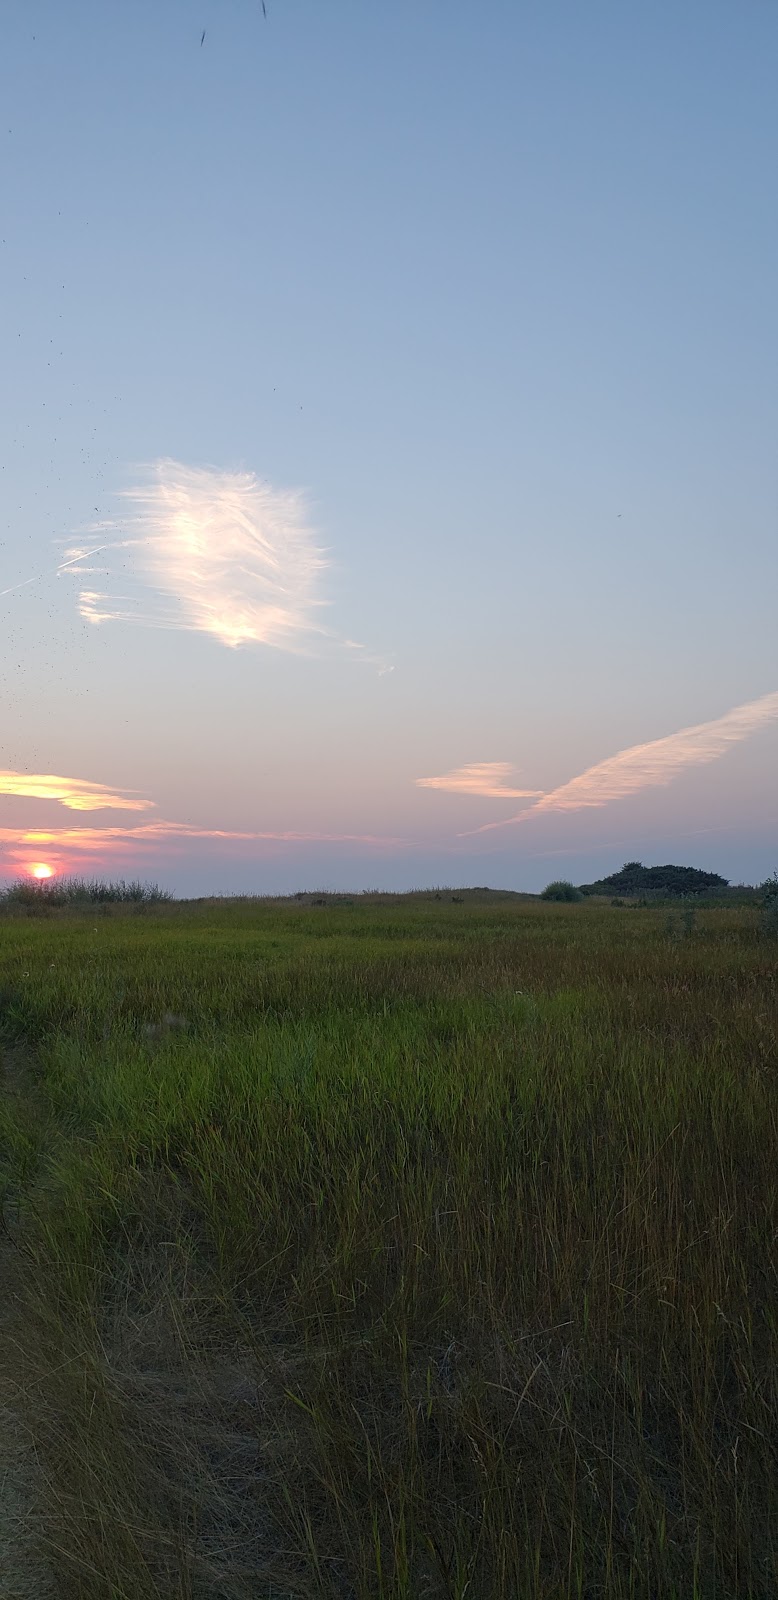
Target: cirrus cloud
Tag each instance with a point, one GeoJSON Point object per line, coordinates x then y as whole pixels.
{"type": "Point", "coordinates": [65, 848]}
{"type": "Point", "coordinates": [220, 553]}
{"type": "Point", "coordinates": [651, 765]}
{"type": "Point", "coordinates": [489, 780]}
{"type": "Point", "coordinates": [77, 794]}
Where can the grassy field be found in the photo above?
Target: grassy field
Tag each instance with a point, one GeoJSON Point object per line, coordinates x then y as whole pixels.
{"type": "Point", "coordinates": [396, 1248]}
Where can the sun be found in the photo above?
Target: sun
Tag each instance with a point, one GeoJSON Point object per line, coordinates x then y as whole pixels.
{"type": "Point", "coordinates": [39, 869]}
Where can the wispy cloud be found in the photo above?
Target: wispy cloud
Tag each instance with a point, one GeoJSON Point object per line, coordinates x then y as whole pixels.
{"type": "Point", "coordinates": [74, 557]}
{"type": "Point", "coordinates": [220, 553]}
{"type": "Point", "coordinates": [64, 848]}
{"type": "Point", "coordinates": [652, 765]}
{"type": "Point", "coordinates": [75, 793]}
{"type": "Point", "coordinates": [489, 780]}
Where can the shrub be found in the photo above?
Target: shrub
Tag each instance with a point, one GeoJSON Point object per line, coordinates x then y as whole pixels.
{"type": "Point", "coordinates": [769, 892]}
{"type": "Point", "coordinates": [80, 891]}
{"type": "Point", "coordinates": [561, 889]}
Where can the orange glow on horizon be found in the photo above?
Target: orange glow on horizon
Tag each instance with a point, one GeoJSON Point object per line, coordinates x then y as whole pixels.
{"type": "Point", "coordinates": [41, 870]}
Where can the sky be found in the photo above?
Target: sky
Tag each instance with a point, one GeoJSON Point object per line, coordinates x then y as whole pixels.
{"type": "Point", "coordinates": [388, 491]}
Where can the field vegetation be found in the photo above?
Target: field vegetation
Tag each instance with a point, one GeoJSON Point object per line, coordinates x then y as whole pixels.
{"type": "Point", "coordinates": [390, 1248]}
{"type": "Point", "coordinates": [562, 889]}
{"type": "Point", "coordinates": [663, 882]}
{"type": "Point", "coordinates": [54, 892]}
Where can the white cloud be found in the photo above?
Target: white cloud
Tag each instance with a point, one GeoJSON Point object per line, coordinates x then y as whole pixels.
{"type": "Point", "coordinates": [219, 553]}
{"type": "Point", "coordinates": [651, 765]}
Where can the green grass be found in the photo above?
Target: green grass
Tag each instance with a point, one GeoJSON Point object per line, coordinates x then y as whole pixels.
{"type": "Point", "coordinates": [399, 1248]}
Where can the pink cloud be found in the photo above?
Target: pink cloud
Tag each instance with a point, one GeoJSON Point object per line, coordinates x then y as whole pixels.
{"type": "Point", "coordinates": [651, 765]}
{"type": "Point", "coordinates": [64, 848]}
{"type": "Point", "coordinates": [489, 780]}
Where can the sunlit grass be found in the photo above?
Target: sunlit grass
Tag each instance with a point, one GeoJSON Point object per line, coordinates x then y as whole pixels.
{"type": "Point", "coordinates": [403, 1249]}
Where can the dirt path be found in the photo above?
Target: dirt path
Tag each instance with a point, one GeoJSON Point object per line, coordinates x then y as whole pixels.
{"type": "Point", "coordinates": [24, 1572]}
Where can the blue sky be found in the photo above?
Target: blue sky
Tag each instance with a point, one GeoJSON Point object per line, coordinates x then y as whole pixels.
{"type": "Point", "coordinates": [492, 290]}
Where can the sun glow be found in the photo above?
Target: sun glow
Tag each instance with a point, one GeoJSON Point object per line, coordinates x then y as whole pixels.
{"type": "Point", "coordinates": [40, 870]}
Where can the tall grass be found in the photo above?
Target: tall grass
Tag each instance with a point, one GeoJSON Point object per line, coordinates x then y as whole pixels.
{"type": "Point", "coordinates": [55, 892]}
{"type": "Point", "coordinates": [401, 1250]}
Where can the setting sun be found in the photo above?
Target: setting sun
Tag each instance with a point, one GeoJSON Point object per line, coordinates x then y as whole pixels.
{"type": "Point", "coordinates": [41, 870]}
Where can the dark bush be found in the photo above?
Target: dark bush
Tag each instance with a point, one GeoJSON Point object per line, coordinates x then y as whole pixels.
{"type": "Point", "coordinates": [561, 889]}
{"type": "Point", "coordinates": [769, 892]}
{"type": "Point", "coordinates": [667, 881]}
